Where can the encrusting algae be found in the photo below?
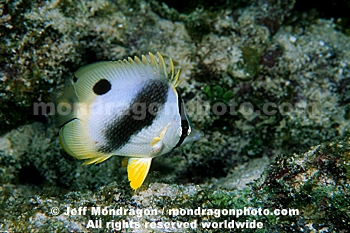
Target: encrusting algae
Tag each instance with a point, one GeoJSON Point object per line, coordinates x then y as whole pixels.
{"type": "Point", "coordinates": [259, 51]}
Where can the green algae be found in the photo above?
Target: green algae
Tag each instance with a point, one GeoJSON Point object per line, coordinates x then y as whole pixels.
{"type": "Point", "coordinates": [216, 92]}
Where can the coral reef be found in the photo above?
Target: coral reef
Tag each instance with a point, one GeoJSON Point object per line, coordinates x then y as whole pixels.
{"type": "Point", "coordinates": [316, 183]}
{"type": "Point", "coordinates": [268, 86]}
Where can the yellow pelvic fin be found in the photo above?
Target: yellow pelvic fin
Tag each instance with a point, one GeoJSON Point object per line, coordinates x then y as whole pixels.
{"type": "Point", "coordinates": [125, 162]}
{"type": "Point", "coordinates": [137, 171]}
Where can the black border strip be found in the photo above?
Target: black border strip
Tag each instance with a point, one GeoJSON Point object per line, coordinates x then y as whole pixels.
{"type": "Point", "coordinates": [184, 122]}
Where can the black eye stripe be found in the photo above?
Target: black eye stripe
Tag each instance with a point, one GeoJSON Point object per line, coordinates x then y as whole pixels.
{"type": "Point", "coordinates": [102, 87]}
{"type": "Point", "coordinates": [184, 122]}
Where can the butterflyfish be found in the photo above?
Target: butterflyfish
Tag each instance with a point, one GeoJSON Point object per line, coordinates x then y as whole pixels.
{"type": "Point", "coordinates": [129, 108]}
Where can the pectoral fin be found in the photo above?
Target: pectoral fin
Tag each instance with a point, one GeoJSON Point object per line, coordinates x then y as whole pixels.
{"type": "Point", "coordinates": [137, 171]}
{"type": "Point", "coordinates": [156, 142]}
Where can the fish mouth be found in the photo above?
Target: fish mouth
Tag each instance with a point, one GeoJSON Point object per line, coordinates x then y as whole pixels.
{"type": "Point", "coordinates": [196, 134]}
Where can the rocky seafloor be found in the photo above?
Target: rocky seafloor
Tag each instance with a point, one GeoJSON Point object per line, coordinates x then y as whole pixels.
{"type": "Point", "coordinates": [266, 83]}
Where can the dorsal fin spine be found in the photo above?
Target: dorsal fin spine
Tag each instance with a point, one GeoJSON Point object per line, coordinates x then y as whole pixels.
{"type": "Point", "coordinates": [162, 63]}
{"type": "Point", "coordinates": [171, 68]}
{"type": "Point", "coordinates": [158, 65]}
{"type": "Point", "coordinates": [153, 60]}
{"type": "Point", "coordinates": [144, 59]}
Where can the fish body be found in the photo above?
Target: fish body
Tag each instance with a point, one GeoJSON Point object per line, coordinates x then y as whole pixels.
{"type": "Point", "coordinates": [129, 108]}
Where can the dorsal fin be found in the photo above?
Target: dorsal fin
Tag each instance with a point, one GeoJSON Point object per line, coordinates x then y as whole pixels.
{"type": "Point", "coordinates": [127, 70]}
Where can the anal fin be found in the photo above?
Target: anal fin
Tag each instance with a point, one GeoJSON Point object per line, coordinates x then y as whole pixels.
{"type": "Point", "coordinates": [137, 171]}
{"type": "Point", "coordinates": [75, 142]}
{"type": "Point", "coordinates": [96, 158]}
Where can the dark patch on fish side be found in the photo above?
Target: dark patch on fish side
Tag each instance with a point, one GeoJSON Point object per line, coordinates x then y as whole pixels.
{"type": "Point", "coordinates": [144, 108]}
{"type": "Point", "coordinates": [102, 87]}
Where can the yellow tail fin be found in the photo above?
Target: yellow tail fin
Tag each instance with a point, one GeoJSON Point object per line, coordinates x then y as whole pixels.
{"type": "Point", "coordinates": [137, 171]}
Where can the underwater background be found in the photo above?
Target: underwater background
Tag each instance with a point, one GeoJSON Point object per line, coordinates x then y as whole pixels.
{"type": "Point", "coordinates": [284, 64]}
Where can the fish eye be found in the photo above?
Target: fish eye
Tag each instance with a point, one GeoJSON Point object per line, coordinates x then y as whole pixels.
{"type": "Point", "coordinates": [102, 87]}
{"type": "Point", "coordinates": [75, 79]}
